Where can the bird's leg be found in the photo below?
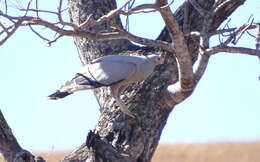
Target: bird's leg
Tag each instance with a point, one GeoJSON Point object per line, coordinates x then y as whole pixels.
{"type": "Point", "coordinates": [116, 95]}
{"type": "Point", "coordinates": [124, 109]}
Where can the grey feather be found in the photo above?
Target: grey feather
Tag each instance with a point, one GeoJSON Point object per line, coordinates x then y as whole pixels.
{"type": "Point", "coordinates": [115, 71]}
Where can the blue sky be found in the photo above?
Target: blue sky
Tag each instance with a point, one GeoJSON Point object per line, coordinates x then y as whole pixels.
{"type": "Point", "coordinates": [224, 107]}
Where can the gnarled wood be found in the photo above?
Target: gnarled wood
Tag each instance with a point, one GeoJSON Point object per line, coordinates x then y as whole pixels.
{"type": "Point", "coordinates": [10, 148]}
{"type": "Point", "coordinates": [118, 137]}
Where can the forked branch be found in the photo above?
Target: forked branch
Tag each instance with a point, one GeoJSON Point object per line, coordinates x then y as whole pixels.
{"type": "Point", "coordinates": [189, 73]}
{"type": "Point", "coordinates": [179, 47]}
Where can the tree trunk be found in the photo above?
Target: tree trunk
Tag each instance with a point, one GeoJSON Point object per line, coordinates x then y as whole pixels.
{"type": "Point", "coordinates": [10, 148]}
{"type": "Point", "coordinates": [118, 137]}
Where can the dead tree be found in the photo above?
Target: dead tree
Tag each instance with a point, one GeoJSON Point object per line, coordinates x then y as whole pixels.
{"type": "Point", "coordinates": [98, 31]}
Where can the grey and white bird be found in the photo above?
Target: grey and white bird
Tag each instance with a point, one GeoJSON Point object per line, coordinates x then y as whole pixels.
{"type": "Point", "coordinates": [115, 71]}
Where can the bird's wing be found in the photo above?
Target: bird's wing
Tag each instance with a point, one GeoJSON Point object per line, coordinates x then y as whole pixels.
{"type": "Point", "coordinates": [110, 71]}
{"type": "Point", "coordinates": [120, 58]}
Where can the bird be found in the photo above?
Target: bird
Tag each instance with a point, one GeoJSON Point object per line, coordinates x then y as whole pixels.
{"type": "Point", "coordinates": [114, 71]}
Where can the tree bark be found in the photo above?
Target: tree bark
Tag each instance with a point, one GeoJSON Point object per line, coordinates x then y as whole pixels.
{"type": "Point", "coordinates": [10, 148]}
{"type": "Point", "coordinates": [118, 137]}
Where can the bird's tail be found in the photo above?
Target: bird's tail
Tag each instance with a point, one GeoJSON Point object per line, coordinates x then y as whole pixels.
{"type": "Point", "coordinates": [79, 82]}
{"type": "Point", "coordinates": [58, 95]}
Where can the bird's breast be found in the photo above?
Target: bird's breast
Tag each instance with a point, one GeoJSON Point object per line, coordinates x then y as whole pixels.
{"type": "Point", "coordinates": [142, 73]}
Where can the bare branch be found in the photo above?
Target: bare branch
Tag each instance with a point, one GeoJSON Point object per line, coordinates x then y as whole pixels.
{"type": "Point", "coordinates": [12, 29]}
{"type": "Point", "coordinates": [28, 7]}
{"type": "Point", "coordinates": [241, 32]}
{"type": "Point", "coordinates": [236, 50]}
{"type": "Point", "coordinates": [108, 16]}
{"type": "Point", "coordinates": [59, 10]}
{"type": "Point", "coordinates": [183, 57]}
{"type": "Point", "coordinates": [185, 82]}
{"type": "Point", "coordinates": [100, 36]}
{"type": "Point", "coordinates": [139, 9]}
{"type": "Point", "coordinates": [76, 30]}
{"type": "Point", "coordinates": [222, 31]}
{"type": "Point", "coordinates": [188, 76]}
{"type": "Point", "coordinates": [200, 66]}
{"type": "Point", "coordinates": [59, 14]}
{"type": "Point", "coordinates": [6, 7]}
{"type": "Point", "coordinates": [29, 20]}
{"type": "Point", "coordinates": [179, 43]}
{"type": "Point", "coordinates": [88, 21]}
{"type": "Point", "coordinates": [37, 11]}
{"type": "Point", "coordinates": [257, 45]}
{"type": "Point", "coordinates": [234, 36]}
{"type": "Point", "coordinates": [250, 34]}
{"type": "Point", "coordinates": [5, 29]}
{"type": "Point", "coordinates": [227, 26]}
{"type": "Point", "coordinates": [144, 41]}
{"type": "Point", "coordinates": [236, 33]}
{"type": "Point", "coordinates": [201, 63]}
{"type": "Point", "coordinates": [217, 7]}
{"type": "Point", "coordinates": [54, 40]}
{"type": "Point", "coordinates": [38, 34]}
{"type": "Point", "coordinates": [36, 6]}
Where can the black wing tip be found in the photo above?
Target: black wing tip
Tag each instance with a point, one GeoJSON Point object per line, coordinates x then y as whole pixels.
{"type": "Point", "coordinates": [57, 95]}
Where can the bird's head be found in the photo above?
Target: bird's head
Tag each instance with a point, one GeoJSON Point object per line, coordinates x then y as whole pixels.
{"type": "Point", "coordinates": [157, 59]}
